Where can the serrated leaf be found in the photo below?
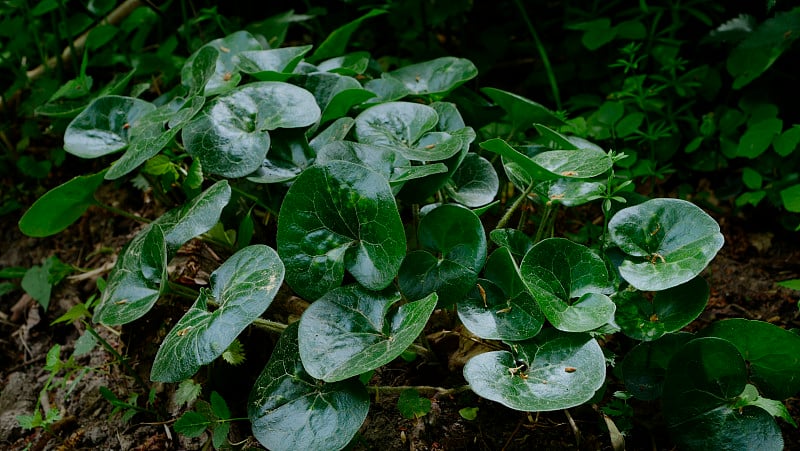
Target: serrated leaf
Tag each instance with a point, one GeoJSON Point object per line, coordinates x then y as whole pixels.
{"type": "Point", "coordinates": [350, 331]}
{"type": "Point", "coordinates": [411, 405]}
{"type": "Point", "coordinates": [338, 216]}
{"type": "Point", "coordinates": [104, 126]}
{"type": "Point", "coordinates": [668, 242]}
{"type": "Point", "coordinates": [242, 287]}
{"type": "Point", "coordinates": [556, 370]}
{"type": "Point", "coordinates": [187, 392]}
{"type": "Point", "coordinates": [219, 406]}
{"type": "Point", "coordinates": [287, 406]}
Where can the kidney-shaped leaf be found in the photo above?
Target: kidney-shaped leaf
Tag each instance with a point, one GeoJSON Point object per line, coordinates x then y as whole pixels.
{"type": "Point", "coordinates": [61, 206]}
{"type": "Point", "coordinates": [438, 76]}
{"type": "Point", "coordinates": [395, 123]}
{"type": "Point", "coordinates": [242, 287]}
{"type": "Point", "coordinates": [569, 282]}
{"type": "Point", "coordinates": [454, 250]}
{"type": "Point", "coordinates": [668, 242]}
{"type": "Point", "coordinates": [490, 314]}
{"type": "Point", "coordinates": [104, 126]}
{"type": "Point", "coordinates": [669, 310]}
{"type": "Point", "coordinates": [773, 354]}
{"type": "Point", "coordinates": [291, 410]}
{"type": "Point", "coordinates": [474, 183]}
{"type": "Point", "coordinates": [350, 331]}
{"type": "Point", "coordinates": [552, 371]}
{"type": "Point", "coordinates": [338, 216]}
{"type": "Point", "coordinates": [231, 135]}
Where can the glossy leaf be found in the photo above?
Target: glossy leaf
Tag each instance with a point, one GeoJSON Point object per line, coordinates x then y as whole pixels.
{"type": "Point", "coordinates": [522, 112]}
{"type": "Point", "coordinates": [226, 72]}
{"type": "Point", "coordinates": [350, 331]}
{"type": "Point", "coordinates": [533, 169]}
{"type": "Point", "coordinates": [335, 94]}
{"type": "Point", "coordinates": [201, 69]}
{"type": "Point", "coordinates": [474, 183]}
{"type": "Point", "coordinates": [645, 365]}
{"type": "Point", "coordinates": [669, 311]}
{"type": "Point", "coordinates": [516, 241]}
{"type": "Point", "coordinates": [569, 282]}
{"type": "Point", "coordinates": [339, 216]}
{"type": "Point", "coordinates": [552, 371]}
{"type": "Point", "coordinates": [58, 208]}
{"type": "Point", "coordinates": [273, 64]}
{"type": "Point", "coordinates": [336, 131]}
{"type": "Point", "coordinates": [668, 242]}
{"type": "Point", "coordinates": [351, 64]}
{"type": "Point", "coordinates": [438, 76]}
{"type": "Point", "coordinates": [386, 90]}
{"type": "Point", "coordinates": [490, 314]}
{"type": "Point", "coordinates": [501, 269]}
{"type": "Point", "coordinates": [195, 217]}
{"type": "Point", "coordinates": [381, 159]}
{"type": "Point", "coordinates": [395, 123]}
{"type": "Point", "coordinates": [291, 410]}
{"type": "Point", "coordinates": [242, 288]}
{"type": "Point", "coordinates": [772, 353]}
{"type": "Point", "coordinates": [569, 192]}
{"type": "Point", "coordinates": [289, 154]}
{"type": "Point", "coordinates": [453, 252]}
{"type": "Point", "coordinates": [104, 126]}
{"type": "Point", "coordinates": [231, 137]}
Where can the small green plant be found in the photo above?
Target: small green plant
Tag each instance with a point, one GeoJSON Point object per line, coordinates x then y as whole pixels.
{"type": "Point", "coordinates": [387, 210]}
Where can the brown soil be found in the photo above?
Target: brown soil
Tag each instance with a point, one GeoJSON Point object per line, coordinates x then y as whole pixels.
{"type": "Point", "coordinates": [742, 278]}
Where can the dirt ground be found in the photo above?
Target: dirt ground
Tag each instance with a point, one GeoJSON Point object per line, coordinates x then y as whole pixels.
{"type": "Point", "coordinates": [742, 280]}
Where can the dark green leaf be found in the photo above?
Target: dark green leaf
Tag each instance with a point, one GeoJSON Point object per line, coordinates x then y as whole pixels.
{"type": "Point", "coordinates": [411, 405]}
{"type": "Point", "coordinates": [336, 42]}
{"type": "Point", "coordinates": [644, 367]}
{"type": "Point", "coordinates": [191, 424]}
{"type": "Point", "coordinates": [226, 73]}
{"type": "Point", "coordinates": [104, 126]}
{"type": "Point", "coordinates": [490, 314]}
{"type": "Point", "coordinates": [474, 183]}
{"type": "Point", "coordinates": [522, 112]}
{"type": "Point", "coordinates": [273, 64]}
{"type": "Point", "coordinates": [438, 76]}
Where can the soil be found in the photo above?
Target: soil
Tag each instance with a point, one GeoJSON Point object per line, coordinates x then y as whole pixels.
{"type": "Point", "coordinates": [742, 278]}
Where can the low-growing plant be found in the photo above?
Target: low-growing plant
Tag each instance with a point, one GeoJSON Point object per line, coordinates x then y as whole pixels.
{"type": "Point", "coordinates": [386, 211]}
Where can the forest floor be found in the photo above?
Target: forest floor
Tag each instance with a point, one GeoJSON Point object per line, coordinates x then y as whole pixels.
{"type": "Point", "coordinates": [742, 279]}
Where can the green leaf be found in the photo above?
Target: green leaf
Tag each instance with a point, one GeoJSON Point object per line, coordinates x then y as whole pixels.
{"type": "Point", "coordinates": [386, 90]}
{"type": "Point", "coordinates": [645, 365]}
{"type": "Point", "coordinates": [522, 112]}
{"type": "Point", "coordinates": [474, 183]}
{"type": "Point", "coordinates": [568, 281]}
{"type": "Point", "coordinates": [453, 252]}
{"type": "Point", "coordinates": [287, 406]}
{"type": "Point", "coordinates": [337, 131]}
{"type": "Point", "coordinates": [104, 126]}
{"type": "Point", "coordinates": [791, 198]}
{"type": "Point", "coordinates": [339, 216]}
{"type": "Point", "coordinates": [750, 397]}
{"type": "Point", "coordinates": [669, 311]}
{"type": "Point", "coordinates": [772, 353]}
{"type": "Point", "coordinates": [226, 71]}
{"type": "Point", "coordinates": [787, 142]}
{"type": "Point", "coordinates": [201, 69]}
{"type": "Point", "coordinates": [469, 413]}
{"type": "Point", "coordinates": [531, 168]}
{"type": "Point", "coordinates": [668, 242]}
{"type": "Point", "coordinates": [395, 124]}
{"type": "Point", "coordinates": [61, 206]}
{"type": "Point", "coordinates": [411, 405]}
{"type": "Point", "coordinates": [381, 159]}
{"type": "Point", "coordinates": [187, 392]}
{"type": "Point", "coordinates": [758, 137]}
{"type": "Point", "coordinates": [491, 314]}
{"type": "Point", "coordinates": [289, 155]}
{"type": "Point", "coordinates": [350, 331]}
{"type": "Point", "coordinates": [336, 42]}
{"type": "Point", "coordinates": [502, 270]}
{"type": "Point", "coordinates": [231, 137]}
{"type": "Point", "coordinates": [569, 192]}
{"type": "Point", "coordinates": [552, 371]}
{"type": "Point", "coordinates": [351, 64]}
{"type": "Point", "coordinates": [516, 241]}
{"type": "Point", "coordinates": [219, 406]}
{"type": "Point", "coordinates": [191, 424]}
{"type": "Point", "coordinates": [702, 384]}
{"type": "Point", "coordinates": [335, 94]}
{"type": "Point", "coordinates": [273, 64]}
{"type": "Point", "coordinates": [219, 434]}
{"type": "Point", "coordinates": [242, 287]}
{"type": "Point", "coordinates": [438, 76]}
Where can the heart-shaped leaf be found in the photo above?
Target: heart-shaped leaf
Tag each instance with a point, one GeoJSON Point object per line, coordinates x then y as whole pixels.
{"type": "Point", "coordinates": [474, 183]}
{"type": "Point", "coordinates": [522, 112]}
{"type": "Point", "coordinates": [552, 371]}
{"type": "Point", "coordinates": [350, 331]}
{"type": "Point", "coordinates": [291, 410]}
{"type": "Point", "coordinates": [703, 381]}
{"type": "Point", "coordinates": [242, 287]}
{"type": "Point", "coordinates": [61, 206]}
{"type": "Point", "coordinates": [668, 311]}
{"type": "Point", "coordinates": [339, 216]}
{"type": "Point", "coordinates": [438, 76]}
{"type": "Point", "coordinates": [501, 268]}
{"type": "Point", "coordinates": [454, 250]}
{"type": "Point", "coordinates": [488, 313]}
{"type": "Point", "coordinates": [568, 281]}
{"type": "Point", "coordinates": [104, 126]}
{"type": "Point", "coordinates": [226, 72]}
{"type": "Point", "coordinates": [668, 242]}
{"type": "Point", "coordinates": [772, 353]}
{"type": "Point", "coordinates": [395, 124]}
{"type": "Point", "coordinates": [381, 159]}
{"type": "Point", "coordinates": [273, 64]}
{"type": "Point", "coordinates": [386, 90]}
{"type": "Point", "coordinates": [645, 365]}
{"type": "Point", "coordinates": [230, 136]}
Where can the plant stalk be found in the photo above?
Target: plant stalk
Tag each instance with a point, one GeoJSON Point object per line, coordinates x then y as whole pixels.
{"type": "Point", "coordinates": [551, 76]}
{"type": "Point", "coordinates": [423, 389]}
{"type": "Point", "coordinates": [510, 212]}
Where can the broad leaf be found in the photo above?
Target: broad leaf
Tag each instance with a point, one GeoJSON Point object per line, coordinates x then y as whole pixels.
{"type": "Point", "coordinates": [289, 154]}
{"type": "Point", "coordinates": [226, 72]}
{"type": "Point", "coordinates": [291, 410]}
{"type": "Point", "coordinates": [242, 288]}
{"type": "Point", "coordinates": [338, 216]}
{"type": "Point", "coordinates": [273, 64]}
{"type": "Point", "coordinates": [350, 331]}
{"type": "Point", "coordinates": [351, 64]}
{"type": "Point", "coordinates": [569, 192]}
{"type": "Point", "coordinates": [645, 365]}
{"type": "Point", "coordinates": [703, 382]}
{"type": "Point", "coordinates": [195, 217]}
{"type": "Point", "coordinates": [516, 241]}
{"type": "Point", "coordinates": [395, 124]}
{"type": "Point", "coordinates": [335, 94]}
{"type": "Point", "coordinates": [386, 90]}
{"type": "Point", "coordinates": [532, 169]}
{"type": "Point", "coordinates": [569, 281]}
{"type": "Point", "coordinates": [552, 371]}
{"type": "Point", "coordinates": [522, 112]}
{"type": "Point", "coordinates": [337, 131]}
{"type": "Point", "coordinates": [381, 159]}
{"type": "Point", "coordinates": [454, 250]}
{"type": "Point", "coordinates": [668, 242]}
{"type": "Point", "coordinates": [61, 206]}
{"type": "Point", "coordinates": [231, 137]}
{"type": "Point", "coordinates": [772, 354]}
{"type": "Point", "coordinates": [474, 183]}
{"type": "Point", "coordinates": [489, 313]}
{"type": "Point", "coordinates": [104, 126]}
{"type": "Point", "coordinates": [438, 76]}
{"type": "Point", "coordinates": [668, 311]}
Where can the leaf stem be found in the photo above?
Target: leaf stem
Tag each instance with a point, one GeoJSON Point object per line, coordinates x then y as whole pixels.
{"type": "Point", "coordinates": [510, 212]}
{"type": "Point", "coordinates": [423, 389]}
{"type": "Point", "coordinates": [551, 76]}
{"type": "Point", "coordinates": [269, 326]}
{"type": "Point", "coordinates": [123, 213]}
